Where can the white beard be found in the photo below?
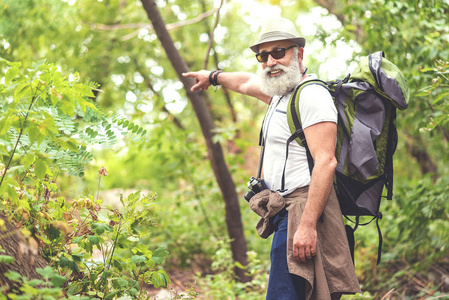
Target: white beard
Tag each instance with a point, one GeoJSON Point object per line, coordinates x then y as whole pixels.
{"type": "Point", "coordinates": [282, 84]}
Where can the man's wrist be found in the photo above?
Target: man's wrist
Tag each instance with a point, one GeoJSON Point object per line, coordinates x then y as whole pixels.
{"type": "Point", "coordinates": [213, 77]}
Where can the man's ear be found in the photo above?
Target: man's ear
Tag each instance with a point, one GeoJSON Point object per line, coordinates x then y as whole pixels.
{"type": "Point", "coordinates": [300, 54]}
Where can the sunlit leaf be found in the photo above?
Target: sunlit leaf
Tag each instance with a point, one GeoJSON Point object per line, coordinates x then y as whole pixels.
{"type": "Point", "coordinates": [40, 168]}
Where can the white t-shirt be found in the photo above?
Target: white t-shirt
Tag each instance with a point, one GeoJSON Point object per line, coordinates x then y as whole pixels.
{"type": "Point", "coordinates": [315, 106]}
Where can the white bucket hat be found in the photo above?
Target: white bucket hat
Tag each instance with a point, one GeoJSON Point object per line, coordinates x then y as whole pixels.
{"type": "Point", "coordinates": [277, 29]}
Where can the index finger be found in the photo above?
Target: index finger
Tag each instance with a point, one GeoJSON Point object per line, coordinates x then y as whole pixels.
{"type": "Point", "coordinates": [188, 74]}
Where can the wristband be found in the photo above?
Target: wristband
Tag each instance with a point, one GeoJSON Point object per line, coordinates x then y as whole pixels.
{"type": "Point", "coordinates": [213, 77]}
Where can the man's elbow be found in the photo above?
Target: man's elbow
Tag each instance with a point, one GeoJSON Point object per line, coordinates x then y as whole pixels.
{"type": "Point", "coordinates": [333, 163]}
{"type": "Point", "coordinates": [327, 163]}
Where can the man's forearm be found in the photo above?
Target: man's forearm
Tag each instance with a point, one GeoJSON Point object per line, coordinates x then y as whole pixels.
{"type": "Point", "coordinates": [305, 237]}
{"type": "Point", "coordinates": [244, 83]}
{"type": "Point", "coordinates": [241, 82]}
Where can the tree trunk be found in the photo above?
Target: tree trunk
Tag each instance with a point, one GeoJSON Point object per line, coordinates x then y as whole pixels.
{"type": "Point", "coordinates": [216, 157]}
{"type": "Point", "coordinates": [26, 259]}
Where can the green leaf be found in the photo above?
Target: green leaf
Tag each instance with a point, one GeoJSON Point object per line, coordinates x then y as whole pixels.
{"type": "Point", "coordinates": [48, 273]}
{"type": "Point", "coordinates": [84, 90]}
{"type": "Point", "coordinates": [112, 295]}
{"type": "Point", "coordinates": [133, 292]}
{"type": "Point", "coordinates": [34, 282]}
{"type": "Point", "coordinates": [100, 228]}
{"type": "Point", "coordinates": [44, 240]}
{"type": "Point", "coordinates": [14, 276]}
{"type": "Point", "coordinates": [88, 247]}
{"type": "Point", "coordinates": [120, 283]}
{"type": "Point", "coordinates": [77, 240]}
{"type": "Point", "coordinates": [38, 64]}
{"type": "Point", "coordinates": [67, 107]}
{"type": "Point", "coordinates": [3, 150]}
{"type": "Point", "coordinates": [58, 280]}
{"type": "Point", "coordinates": [34, 134]}
{"type": "Point", "coordinates": [133, 239]}
{"type": "Point", "coordinates": [118, 264]}
{"type": "Point", "coordinates": [40, 168]}
{"type": "Point", "coordinates": [158, 280]}
{"type": "Point", "coordinates": [136, 259]}
{"type": "Point", "coordinates": [11, 73]}
{"type": "Point", "coordinates": [54, 99]}
{"type": "Point", "coordinates": [49, 122]}
{"type": "Point", "coordinates": [28, 160]}
{"type": "Point", "coordinates": [12, 194]}
{"type": "Point", "coordinates": [93, 239]}
{"type": "Point", "coordinates": [107, 274]}
{"type": "Point", "coordinates": [70, 264]}
{"type": "Point", "coordinates": [159, 255]}
{"type": "Point", "coordinates": [5, 125]}
{"type": "Point", "coordinates": [22, 91]}
{"type": "Point", "coordinates": [6, 259]}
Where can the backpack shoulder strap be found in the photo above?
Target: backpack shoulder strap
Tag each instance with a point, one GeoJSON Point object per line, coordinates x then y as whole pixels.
{"type": "Point", "coordinates": [294, 122]}
{"type": "Point", "coordinates": [293, 118]}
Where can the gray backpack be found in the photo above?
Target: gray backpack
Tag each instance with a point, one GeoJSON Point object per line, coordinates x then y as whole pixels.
{"type": "Point", "coordinates": [366, 101]}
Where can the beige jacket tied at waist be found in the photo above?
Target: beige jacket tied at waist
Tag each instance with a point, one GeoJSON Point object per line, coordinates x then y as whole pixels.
{"type": "Point", "coordinates": [331, 270]}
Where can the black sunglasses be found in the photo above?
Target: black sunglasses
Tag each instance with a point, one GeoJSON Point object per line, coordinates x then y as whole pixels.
{"type": "Point", "coordinates": [277, 53]}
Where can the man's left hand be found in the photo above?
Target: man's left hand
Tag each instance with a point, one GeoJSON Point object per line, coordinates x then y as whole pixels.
{"type": "Point", "coordinates": [304, 243]}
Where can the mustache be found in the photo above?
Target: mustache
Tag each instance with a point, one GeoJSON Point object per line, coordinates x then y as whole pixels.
{"type": "Point", "coordinates": [267, 70]}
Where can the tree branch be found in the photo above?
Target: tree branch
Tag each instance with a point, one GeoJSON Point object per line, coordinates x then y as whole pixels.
{"type": "Point", "coordinates": [139, 26]}
{"type": "Point", "coordinates": [330, 5]}
{"type": "Point", "coordinates": [216, 60]}
{"type": "Point", "coordinates": [211, 36]}
{"type": "Point", "coordinates": [147, 81]}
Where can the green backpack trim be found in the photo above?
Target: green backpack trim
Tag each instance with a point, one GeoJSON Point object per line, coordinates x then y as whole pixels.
{"type": "Point", "coordinates": [385, 77]}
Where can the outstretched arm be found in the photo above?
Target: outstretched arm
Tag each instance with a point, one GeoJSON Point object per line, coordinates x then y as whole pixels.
{"type": "Point", "coordinates": [241, 82]}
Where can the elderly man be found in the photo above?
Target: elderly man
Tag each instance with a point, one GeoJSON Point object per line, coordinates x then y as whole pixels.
{"type": "Point", "coordinates": [310, 257]}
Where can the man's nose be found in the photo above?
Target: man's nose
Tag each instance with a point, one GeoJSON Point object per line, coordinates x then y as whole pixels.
{"type": "Point", "coordinates": [271, 61]}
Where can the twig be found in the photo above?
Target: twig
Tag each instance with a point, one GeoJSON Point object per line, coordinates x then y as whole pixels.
{"type": "Point", "coordinates": [20, 135]}
{"type": "Point", "coordinates": [211, 36]}
{"type": "Point", "coordinates": [113, 246]}
{"type": "Point", "coordinates": [139, 26]}
{"type": "Point", "coordinates": [141, 284]}
{"type": "Point", "coordinates": [98, 189]}
{"type": "Point", "coordinates": [439, 297]}
{"type": "Point", "coordinates": [387, 294]}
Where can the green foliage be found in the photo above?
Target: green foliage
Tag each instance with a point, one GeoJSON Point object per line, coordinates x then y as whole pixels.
{"type": "Point", "coordinates": [110, 259]}
{"type": "Point", "coordinates": [222, 284]}
{"type": "Point", "coordinates": [439, 93]}
{"type": "Point", "coordinates": [50, 287]}
{"type": "Point", "coordinates": [428, 227]}
{"type": "Point", "coordinates": [96, 248]}
{"type": "Point", "coordinates": [47, 123]}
